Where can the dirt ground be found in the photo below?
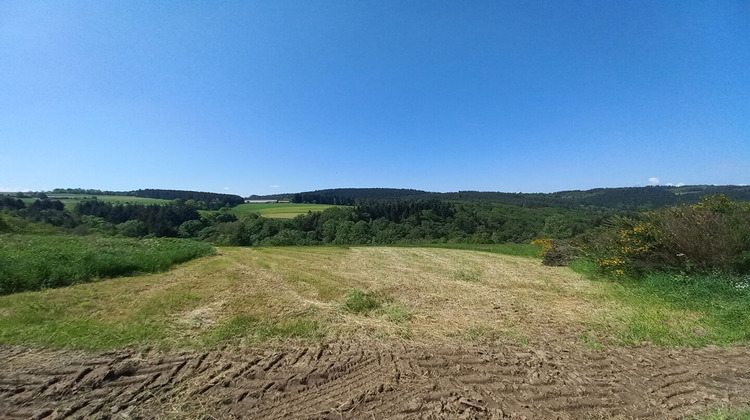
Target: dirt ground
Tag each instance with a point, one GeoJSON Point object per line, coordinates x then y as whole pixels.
{"type": "Point", "coordinates": [374, 380]}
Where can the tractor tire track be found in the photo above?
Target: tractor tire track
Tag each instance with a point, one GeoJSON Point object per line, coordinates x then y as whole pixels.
{"type": "Point", "coordinates": [373, 380]}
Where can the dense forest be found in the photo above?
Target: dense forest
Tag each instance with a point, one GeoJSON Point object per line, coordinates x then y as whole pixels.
{"type": "Point", "coordinates": [369, 222]}
{"type": "Point", "coordinates": [374, 216]}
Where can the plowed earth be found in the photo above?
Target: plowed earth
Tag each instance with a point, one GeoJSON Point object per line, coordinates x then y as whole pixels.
{"type": "Point", "coordinates": [373, 380]}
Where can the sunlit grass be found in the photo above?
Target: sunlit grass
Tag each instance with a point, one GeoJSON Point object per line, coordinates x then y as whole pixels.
{"type": "Point", "coordinates": [672, 309]}
{"type": "Point", "coordinates": [252, 295]}
{"type": "Point", "coordinates": [278, 210]}
{"type": "Point", "coordinates": [33, 262]}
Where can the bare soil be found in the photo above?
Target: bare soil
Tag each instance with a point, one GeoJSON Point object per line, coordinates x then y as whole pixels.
{"type": "Point", "coordinates": [374, 379]}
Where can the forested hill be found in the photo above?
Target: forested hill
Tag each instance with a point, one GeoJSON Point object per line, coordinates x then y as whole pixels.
{"type": "Point", "coordinates": [629, 198]}
{"type": "Point", "coordinates": [208, 197]}
{"type": "Point", "coordinates": [345, 196]}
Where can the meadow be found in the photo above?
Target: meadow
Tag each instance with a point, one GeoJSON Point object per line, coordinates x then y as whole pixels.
{"type": "Point", "coordinates": [33, 262]}
{"type": "Point", "coordinates": [278, 210]}
{"type": "Point", "coordinates": [423, 294]}
{"type": "Point", "coordinates": [264, 316]}
{"type": "Point", "coordinates": [70, 200]}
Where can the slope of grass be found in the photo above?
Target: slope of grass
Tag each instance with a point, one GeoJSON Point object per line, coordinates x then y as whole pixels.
{"type": "Point", "coordinates": [672, 309]}
{"type": "Point", "coordinates": [320, 293]}
{"type": "Point", "coordinates": [278, 210]}
{"type": "Point", "coordinates": [255, 294]}
{"type": "Point", "coordinates": [33, 262]}
{"type": "Point", "coordinates": [737, 413]}
{"type": "Point", "coordinates": [516, 250]}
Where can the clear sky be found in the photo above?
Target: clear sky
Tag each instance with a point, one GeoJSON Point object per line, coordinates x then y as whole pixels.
{"type": "Point", "coordinates": [283, 96]}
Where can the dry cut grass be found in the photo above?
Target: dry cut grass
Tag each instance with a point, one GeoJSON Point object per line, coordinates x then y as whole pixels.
{"type": "Point", "coordinates": [247, 295]}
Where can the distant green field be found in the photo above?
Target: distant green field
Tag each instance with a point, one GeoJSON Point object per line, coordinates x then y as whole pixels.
{"type": "Point", "coordinates": [278, 210]}
{"type": "Point", "coordinates": [75, 198]}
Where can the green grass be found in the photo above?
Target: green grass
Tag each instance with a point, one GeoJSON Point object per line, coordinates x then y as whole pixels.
{"type": "Point", "coordinates": [360, 302]}
{"type": "Point", "coordinates": [278, 210]}
{"type": "Point", "coordinates": [516, 250]}
{"type": "Point", "coordinates": [114, 199]}
{"type": "Point", "coordinates": [396, 312]}
{"type": "Point", "coordinates": [34, 262]}
{"type": "Point", "coordinates": [467, 274]}
{"type": "Point", "coordinates": [253, 295]}
{"type": "Point", "coordinates": [256, 330]}
{"type": "Point", "coordinates": [678, 310]}
{"type": "Point", "coordinates": [738, 413]}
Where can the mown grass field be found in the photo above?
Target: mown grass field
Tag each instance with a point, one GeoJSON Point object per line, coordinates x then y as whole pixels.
{"type": "Point", "coordinates": [278, 210]}
{"type": "Point", "coordinates": [249, 295]}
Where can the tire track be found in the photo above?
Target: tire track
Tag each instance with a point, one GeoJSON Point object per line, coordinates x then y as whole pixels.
{"type": "Point", "coordinates": [366, 380]}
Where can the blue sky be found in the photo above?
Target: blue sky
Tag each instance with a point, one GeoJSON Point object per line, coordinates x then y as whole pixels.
{"type": "Point", "coordinates": [284, 96]}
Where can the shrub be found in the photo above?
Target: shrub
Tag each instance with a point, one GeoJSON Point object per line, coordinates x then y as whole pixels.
{"type": "Point", "coordinates": [560, 253]}
{"type": "Point", "coordinates": [709, 236]}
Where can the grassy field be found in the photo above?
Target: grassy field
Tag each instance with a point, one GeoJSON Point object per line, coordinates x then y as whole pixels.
{"type": "Point", "coordinates": [33, 262]}
{"type": "Point", "coordinates": [278, 210]}
{"type": "Point", "coordinates": [738, 413]}
{"type": "Point", "coordinates": [75, 198]}
{"type": "Point", "coordinates": [420, 294]}
{"type": "Point", "coordinates": [71, 200]}
{"type": "Point", "coordinates": [518, 250]}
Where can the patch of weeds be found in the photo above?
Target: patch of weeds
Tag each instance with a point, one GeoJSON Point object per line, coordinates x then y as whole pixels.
{"type": "Point", "coordinates": [693, 310]}
{"type": "Point", "coordinates": [585, 267]}
{"type": "Point", "coordinates": [254, 329]}
{"type": "Point", "coordinates": [475, 333]}
{"type": "Point", "coordinates": [405, 333]}
{"type": "Point", "coordinates": [360, 302]}
{"type": "Point", "coordinates": [675, 309]}
{"type": "Point", "coordinates": [467, 274]}
{"type": "Point", "coordinates": [293, 328]}
{"type": "Point", "coordinates": [590, 342]}
{"type": "Point", "coordinates": [722, 413]}
{"type": "Point", "coordinates": [481, 332]}
{"type": "Point", "coordinates": [396, 312]}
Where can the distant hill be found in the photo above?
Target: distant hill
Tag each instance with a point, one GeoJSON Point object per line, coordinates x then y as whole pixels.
{"type": "Point", "coordinates": [345, 196]}
{"type": "Point", "coordinates": [216, 199]}
{"type": "Point", "coordinates": [627, 198]}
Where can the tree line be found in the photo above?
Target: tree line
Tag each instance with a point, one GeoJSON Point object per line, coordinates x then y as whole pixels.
{"type": "Point", "coordinates": [626, 198]}
{"type": "Point", "coordinates": [209, 200]}
{"type": "Point", "coordinates": [369, 222]}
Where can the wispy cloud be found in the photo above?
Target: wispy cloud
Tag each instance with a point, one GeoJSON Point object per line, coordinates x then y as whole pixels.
{"type": "Point", "coordinates": [653, 181]}
{"type": "Point", "coordinates": [274, 186]}
{"type": "Point", "coordinates": [227, 188]}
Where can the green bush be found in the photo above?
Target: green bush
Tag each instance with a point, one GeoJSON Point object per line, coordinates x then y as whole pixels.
{"type": "Point", "coordinates": [713, 235]}
{"type": "Point", "coordinates": [33, 262]}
